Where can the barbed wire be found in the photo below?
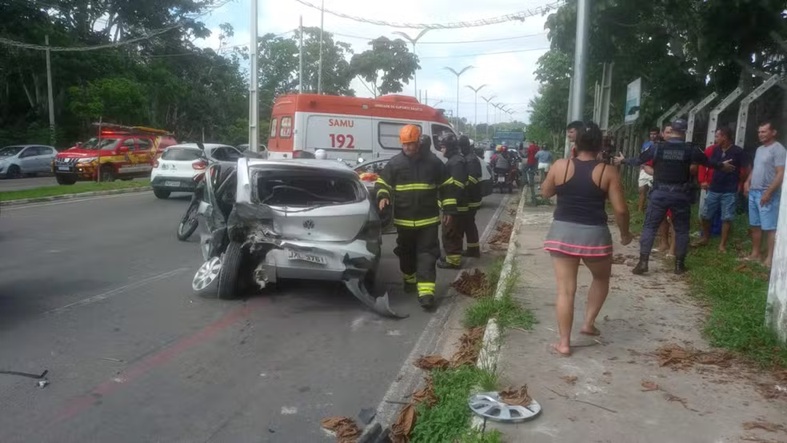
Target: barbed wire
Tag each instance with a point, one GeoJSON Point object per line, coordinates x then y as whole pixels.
{"type": "Point", "coordinates": [149, 35]}
{"type": "Point", "coordinates": [521, 16]}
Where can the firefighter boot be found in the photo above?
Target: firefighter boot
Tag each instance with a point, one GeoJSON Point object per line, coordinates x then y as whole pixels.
{"type": "Point", "coordinates": [450, 262]}
{"type": "Point", "coordinates": [426, 295]}
{"type": "Point", "coordinates": [410, 286]}
{"type": "Point", "coordinates": [680, 265]}
{"type": "Point", "coordinates": [642, 266]}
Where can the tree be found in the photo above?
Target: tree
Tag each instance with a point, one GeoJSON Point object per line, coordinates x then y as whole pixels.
{"type": "Point", "coordinates": [118, 100]}
{"type": "Point", "coordinates": [389, 63]}
{"type": "Point", "coordinates": [336, 72]}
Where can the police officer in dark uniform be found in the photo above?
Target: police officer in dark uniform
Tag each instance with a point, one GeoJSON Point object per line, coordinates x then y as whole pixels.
{"type": "Point", "coordinates": [412, 180]}
{"type": "Point", "coordinates": [453, 202]}
{"type": "Point", "coordinates": [473, 197]}
{"type": "Point", "coordinates": [672, 190]}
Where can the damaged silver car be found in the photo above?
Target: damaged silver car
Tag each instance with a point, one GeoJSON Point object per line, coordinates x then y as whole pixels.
{"type": "Point", "coordinates": [265, 220]}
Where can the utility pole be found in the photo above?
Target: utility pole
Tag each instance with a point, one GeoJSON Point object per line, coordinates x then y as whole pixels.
{"type": "Point", "coordinates": [475, 121]}
{"type": "Point", "coordinates": [254, 103]}
{"type": "Point", "coordinates": [458, 74]}
{"type": "Point", "coordinates": [300, 60]}
{"type": "Point", "coordinates": [577, 101]}
{"type": "Point", "coordinates": [487, 100]}
{"type": "Point", "coordinates": [322, 29]}
{"type": "Point", "coordinates": [50, 93]}
{"type": "Point", "coordinates": [413, 41]}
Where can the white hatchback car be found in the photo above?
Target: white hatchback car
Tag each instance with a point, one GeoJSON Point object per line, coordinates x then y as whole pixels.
{"type": "Point", "coordinates": [179, 166]}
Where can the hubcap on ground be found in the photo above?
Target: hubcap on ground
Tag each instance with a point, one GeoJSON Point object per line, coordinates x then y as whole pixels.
{"type": "Point", "coordinates": [206, 274]}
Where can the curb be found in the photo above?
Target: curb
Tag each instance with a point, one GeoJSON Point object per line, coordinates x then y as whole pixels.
{"type": "Point", "coordinates": [491, 343]}
{"type": "Point", "coordinates": [26, 201]}
{"type": "Point", "coordinates": [410, 379]}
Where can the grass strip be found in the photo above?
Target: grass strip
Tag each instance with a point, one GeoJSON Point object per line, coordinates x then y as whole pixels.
{"type": "Point", "coordinates": [78, 188]}
{"type": "Point", "coordinates": [735, 292]}
{"type": "Point", "coordinates": [449, 420]}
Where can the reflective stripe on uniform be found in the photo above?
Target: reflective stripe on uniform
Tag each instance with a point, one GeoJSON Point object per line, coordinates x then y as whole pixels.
{"type": "Point", "coordinates": [415, 187]}
{"type": "Point", "coordinates": [382, 182]}
{"type": "Point", "coordinates": [410, 278]}
{"type": "Point", "coordinates": [425, 289]}
{"type": "Point", "coordinates": [472, 179]}
{"type": "Point", "coordinates": [462, 208]}
{"type": "Point", "coordinates": [473, 245]}
{"type": "Point", "coordinates": [381, 192]}
{"type": "Point", "coordinates": [448, 201]}
{"type": "Point", "coordinates": [417, 223]}
{"type": "Point", "coordinates": [454, 259]}
{"type": "Point", "coordinates": [451, 181]}
{"type": "Point", "coordinates": [474, 205]}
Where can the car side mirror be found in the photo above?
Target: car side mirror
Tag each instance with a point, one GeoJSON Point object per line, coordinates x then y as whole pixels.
{"type": "Point", "coordinates": [123, 149]}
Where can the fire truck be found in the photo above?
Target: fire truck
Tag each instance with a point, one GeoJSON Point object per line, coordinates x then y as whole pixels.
{"type": "Point", "coordinates": [116, 152]}
{"type": "Point", "coordinates": [348, 127]}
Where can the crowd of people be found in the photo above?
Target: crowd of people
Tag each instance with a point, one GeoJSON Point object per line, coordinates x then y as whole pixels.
{"type": "Point", "coordinates": [669, 171]}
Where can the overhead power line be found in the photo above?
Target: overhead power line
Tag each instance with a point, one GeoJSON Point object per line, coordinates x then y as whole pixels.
{"type": "Point", "coordinates": [483, 53]}
{"type": "Point", "coordinates": [461, 42]}
{"type": "Point", "coordinates": [517, 16]}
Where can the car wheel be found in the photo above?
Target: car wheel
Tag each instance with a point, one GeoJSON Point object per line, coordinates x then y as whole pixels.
{"type": "Point", "coordinates": [13, 172]}
{"type": "Point", "coordinates": [206, 279]}
{"type": "Point", "coordinates": [160, 193]}
{"type": "Point", "coordinates": [188, 224]}
{"type": "Point", "coordinates": [230, 267]}
{"type": "Point", "coordinates": [65, 180]}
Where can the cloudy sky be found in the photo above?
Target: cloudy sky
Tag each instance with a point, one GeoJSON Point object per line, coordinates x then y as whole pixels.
{"type": "Point", "coordinates": [503, 55]}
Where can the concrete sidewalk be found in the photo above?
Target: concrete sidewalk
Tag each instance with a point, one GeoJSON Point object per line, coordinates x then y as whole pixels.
{"type": "Point", "coordinates": [618, 388]}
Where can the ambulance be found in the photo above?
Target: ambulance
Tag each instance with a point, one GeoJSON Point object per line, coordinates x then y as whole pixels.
{"type": "Point", "coordinates": [351, 129]}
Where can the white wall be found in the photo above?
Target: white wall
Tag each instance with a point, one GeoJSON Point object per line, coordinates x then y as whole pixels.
{"type": "Point", "coordinates": [776, 316]}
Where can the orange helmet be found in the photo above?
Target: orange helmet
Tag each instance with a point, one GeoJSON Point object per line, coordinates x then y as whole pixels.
{"type": "Point", "coordinates": [409, 134]}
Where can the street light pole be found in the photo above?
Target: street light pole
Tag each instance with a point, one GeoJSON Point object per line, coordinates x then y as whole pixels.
{"type": "Point", "coordinates": [254, 104]}
{"type": "Point", "coordinates": [577, 101]}
{"type": "Point", "coordinates": [50, 96]}
{"type": "Point", "coordinates": [487, 100]}
{"type": "Point", "coordinates": [458, 74]}
{"type": "Point", "coordinates": [322, 27]}
{"type": "Point", "coordinates": [413, 40]}
{"type": "Point", "coordinates": [475, 121]}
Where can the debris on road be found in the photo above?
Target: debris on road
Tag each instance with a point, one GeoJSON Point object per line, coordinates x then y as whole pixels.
{"type": "Point", "coordinates": [473, 284]}
{"type": "Point", "coordinates": [764, 425]}
{"type": "Point", "coordinates": [469, 347]}
{"type": "Point", "coordinates": [26, 374]}
{"type": "Point", "coordinates": [679, 357]}
{"type": "Point", "coordinates": [345, 428]}
{"type": "Point", "coordinates": [648, 386]}
{"type": "Point", "coordinates": [503, 234]}
{"type": "Point", "coordinates": [404, 424]}
{"type": "Point", "coordinates": [429, 362]}
{"type": "Point", "coordinates": [426, 395]}
{"type": "Point", "coordinates": [42, 383]}
{"type": "Point", "coordinates": [570, 379]}
{"type": "Point", "coordinates": [516, 397]}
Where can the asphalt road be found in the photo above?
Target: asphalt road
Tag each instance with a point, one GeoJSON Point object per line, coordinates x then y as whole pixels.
{"type": "Point", "coordinates": [98, 292]}
{"type": "Point", "coordinates": [32, 183]}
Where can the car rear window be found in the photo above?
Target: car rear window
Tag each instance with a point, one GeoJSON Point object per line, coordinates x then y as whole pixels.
{"type": "Point", "coordinates": [181, 154]}
{"type": "Point", "coordinates": [306, 188]}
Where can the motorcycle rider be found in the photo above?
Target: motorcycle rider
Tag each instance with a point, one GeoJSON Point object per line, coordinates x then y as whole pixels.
{"type": "Point", "coordinates": [413, 178]}
{"type": "Point", "coordinates": [453, 202]}
{"type": "Point", "coordinates": [473, 196]}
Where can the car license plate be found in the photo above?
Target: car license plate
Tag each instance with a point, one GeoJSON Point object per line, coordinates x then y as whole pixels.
{"type": "Point", "coordinates": [501, 179]}
{"type": "Point", "coordinates": [311, 258]}
{"type": "Point", "coordinates": [63, 168]}
{"type": "Point", "coordinates": [172, 184]}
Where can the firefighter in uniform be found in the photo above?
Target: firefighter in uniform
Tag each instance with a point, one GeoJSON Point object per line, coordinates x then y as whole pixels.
{"type": "Point", "coordinates": [473, 196]}
{"type": "Point", "coordinates": [673, 161]}
{"type": "Point", "coordinates": [412, 180]}
{"type": "Point", "coordinates": [453, 202]}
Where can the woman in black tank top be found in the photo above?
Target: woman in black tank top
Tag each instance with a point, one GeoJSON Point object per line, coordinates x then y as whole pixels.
{"type": "Point", "coordinates": [579, 231]}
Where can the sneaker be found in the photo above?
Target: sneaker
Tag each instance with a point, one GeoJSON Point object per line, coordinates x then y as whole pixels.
{"type": "Point", "coordinates": [426, 301]}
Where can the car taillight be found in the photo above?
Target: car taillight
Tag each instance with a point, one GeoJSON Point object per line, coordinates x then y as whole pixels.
{"type": "Point", "coordinates": [155, 163]}
{"type": "Point", "coordinates": [199, 165]}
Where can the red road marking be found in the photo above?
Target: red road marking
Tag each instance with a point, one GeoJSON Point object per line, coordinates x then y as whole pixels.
{"type": "Point", "coordinates": [84, 402]}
